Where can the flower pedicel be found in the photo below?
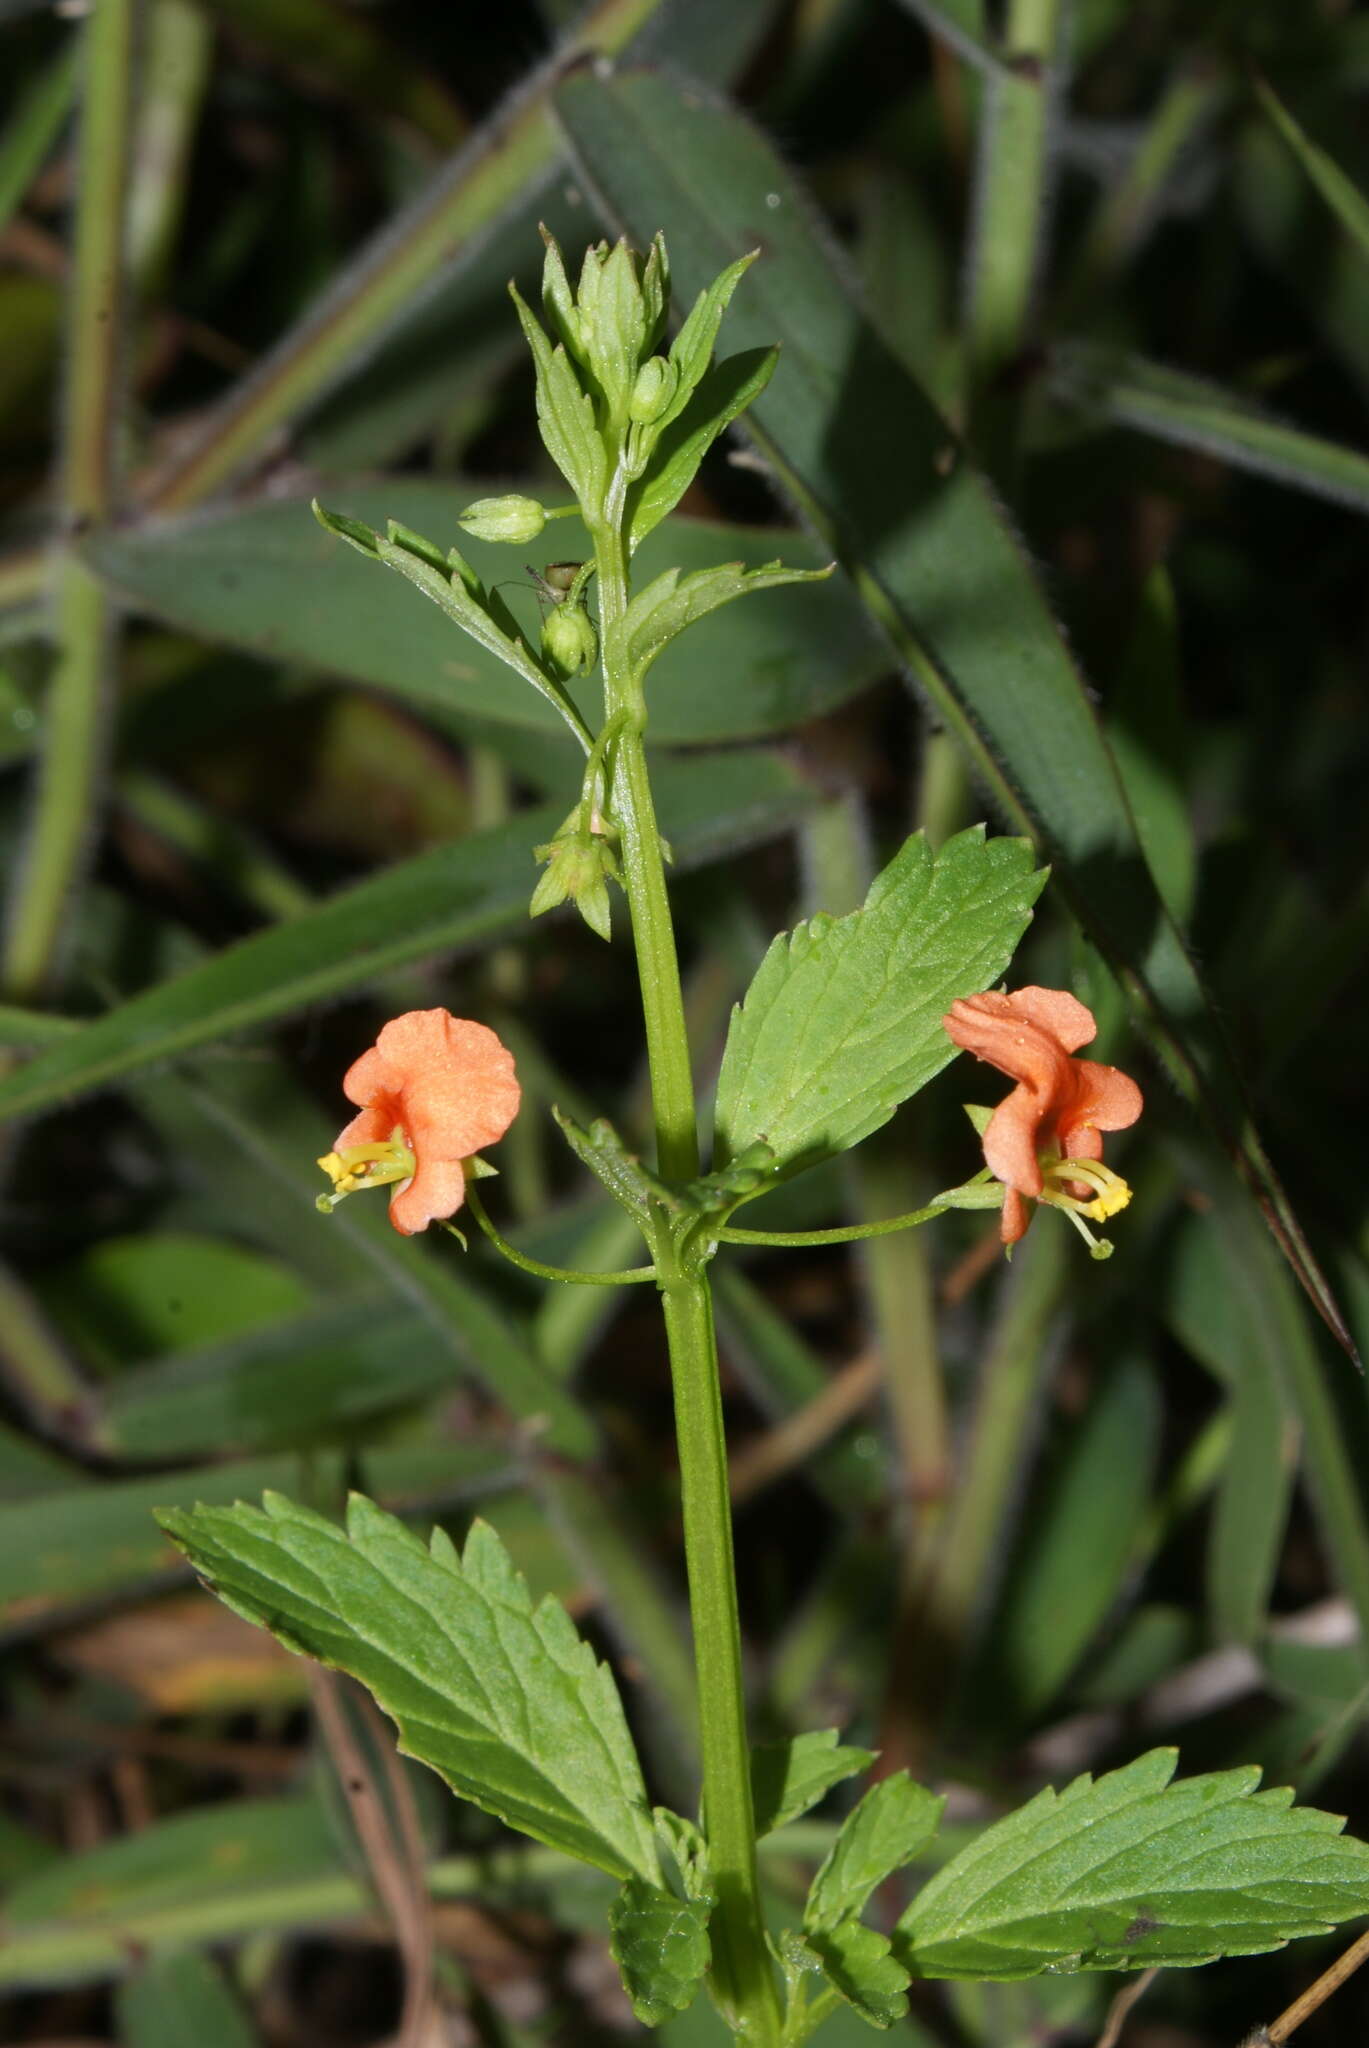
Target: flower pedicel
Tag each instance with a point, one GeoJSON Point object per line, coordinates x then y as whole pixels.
{"type": "Point", "coordinates": [432, 1091]}
{"type": "Point", "coordinates": [1045, 1140]}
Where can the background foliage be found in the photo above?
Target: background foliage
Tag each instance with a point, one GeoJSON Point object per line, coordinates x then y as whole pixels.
{"type": "Point", "coordinates": [1073, 312]}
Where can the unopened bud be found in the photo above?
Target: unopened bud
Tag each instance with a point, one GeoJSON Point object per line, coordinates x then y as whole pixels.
{"type": "Point", "coordinates": [570, 640]}
{"type": "Point", "coordinates": [509, 519]}
{"type": "Point", "coordinates": [653, 390]}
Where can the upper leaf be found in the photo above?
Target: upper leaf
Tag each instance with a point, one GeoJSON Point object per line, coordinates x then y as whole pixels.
{"type": "Point", "coordinates": [726, 390]}
{"type": "Point", "coordinates": [660, 1943]}
{"type": "Point", "coordinates": [893, 1823]}
{"type": "Point", "coordinates": [502, 1698]}
{"type": "Point", "coordinates": [660, 612]}
{"type": "Point", "coordinates": [565, 415]}
{"type": "Point", "coordinates": [1132, 1871]}
{"type": "Point", "coordinates": [789, 1777]}
{"type": "Point", "coordinates": [843, 1019]}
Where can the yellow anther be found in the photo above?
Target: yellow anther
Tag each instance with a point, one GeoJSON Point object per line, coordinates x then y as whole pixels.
{"type": "Point", "coordinates": [366, 1166]}
{"type": "Point", "coordinates": [1111, 1192]}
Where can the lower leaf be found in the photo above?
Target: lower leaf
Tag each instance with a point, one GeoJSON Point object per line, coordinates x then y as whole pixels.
{"type": "Point", "coordinates": [660, 1944]}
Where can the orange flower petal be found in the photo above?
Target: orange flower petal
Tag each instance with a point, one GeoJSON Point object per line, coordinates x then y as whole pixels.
{"type": "Point", "coordinates": [437, 1188]}
{"type": "Point", "coordinates": [1016, 1216]}
{"type": "Point", "coordinates": [1055, 1010]}
{"type": "Point", "coordinates": [1010, 1142]}
{"type": "Point", "coordinates": [368, 1077]}
{"type": "Point", "coordinates": [456, 1080]}
{"type": "Point", "coordinates": [992, 1030]}
{"type": "Point", "coordinates": [370, 1126]}
{"type": "Point", "coordinates": [1104, 1100]}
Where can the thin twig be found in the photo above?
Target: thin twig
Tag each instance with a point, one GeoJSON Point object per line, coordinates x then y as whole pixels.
{"type": "Point", "coordinates": [1121, 2005]}
{"type": "Point", "coordinates": [1317, 1994]}
{"type": "Point", "coordinates": [770, 1456]}
{"type": "Point", "coordinates": [393, 1852]}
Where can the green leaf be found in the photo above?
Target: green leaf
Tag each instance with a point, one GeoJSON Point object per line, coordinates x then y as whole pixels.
{"type": "Point", "coordinates": [726, 391]}
{"type": "Point", "coordinates": [660, 1943]}
{"type": "Point", "coordinates": [180, 1997]}
{"type": "Point", "coordinates": [1344, 198]}
{"type": "Point", "coordinates": [658, 614]}
{"type": "Point", "coordinates": [1133, 1871]}
{"type": "Point", "coordinates": [1173, 406]}
{"type": "Point", "coordinates": [629, 1182]}
{"type": "Point", "coordinates": [565, 414]}
{"type": "Point", "coordinates": [502, 1698]}
{"type": "Point", "coordinates": [788, 1777]}
{"type": "Point", "coordinates": [442, 902]}
{"type": "Point", "coordinates": [843, 1019]}
{"type": "Point", "coordinates": [262, 577]}
{"type": "Point", "coordinates": [858, 1962]}
{"type": "Point", "coordinates": [877, 470]}
{"type": "Point", "coordinates": [691, 352]}
{"type": "Point", "coordinates": [893, 1823]}
{"type": "Point", "coordinates": [448, 583]}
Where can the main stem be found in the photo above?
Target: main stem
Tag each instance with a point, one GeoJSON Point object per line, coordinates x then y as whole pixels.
{"type": "Point", "coordinates": [743, 1975]}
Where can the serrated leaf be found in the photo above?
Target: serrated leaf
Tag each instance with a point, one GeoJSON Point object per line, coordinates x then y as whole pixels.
{"type": "Point", "coordinates": [892, 1824]}
{"type": "Point", "coordinates": [502, 1698]}
{"type": "Point", "coordinates": [789, 1777]}
{"type": "Point", "coordinates": [660, 1944]}
{"type": "Point", "coordinates": [662, 611]}
{"type": "Point", "coordinates": [692, 349]}
{"type": "Point", "coordinates": [727, 389]}
{"type": "Point", "coordinates": [1132, 1871]}
{"type": "Point", "coordinates": [859, 1963]}
{"type": "Point", "coordinates": [843, 1019]}
{"type": "Point", "coordinates": [452, 898]}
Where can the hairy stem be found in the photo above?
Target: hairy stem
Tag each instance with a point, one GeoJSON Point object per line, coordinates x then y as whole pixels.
{"type": "Point", "coordinates": [743, 1976]}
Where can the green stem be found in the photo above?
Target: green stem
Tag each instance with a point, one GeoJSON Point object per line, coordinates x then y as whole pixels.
{"type": "Point", "coordinates": [744, 1978]}
{"type": "Point", "coordinates": [572, 1274]}
{"type": "Point", "coordinates": [1010, 193]}
{"type": "Point", "coordinates": [74, 741]}
{"type": "Point", "coordinates": [847, 1233]}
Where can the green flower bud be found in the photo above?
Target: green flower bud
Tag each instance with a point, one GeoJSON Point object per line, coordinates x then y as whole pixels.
{"type": "Point", "coordinates": [653, 390]}
{"type": "Point", "coordinates": [570, 640]}
{"type": "Point", "coordinates": [510, 518]}
{"type": "Point", "coordinates": [580, 865]}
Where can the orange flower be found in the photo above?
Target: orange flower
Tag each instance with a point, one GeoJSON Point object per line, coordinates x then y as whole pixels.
{"type": "Point", "coordinates": [432, 1091]}
{"type": "Point", "coordinates": [1045, 1140]}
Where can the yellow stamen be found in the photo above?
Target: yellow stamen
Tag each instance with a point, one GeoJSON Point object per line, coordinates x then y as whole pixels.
{"type": "Point", "coordinates": [367, 1166]}
{"type": "Point", "coordinates": [1111, 1192]}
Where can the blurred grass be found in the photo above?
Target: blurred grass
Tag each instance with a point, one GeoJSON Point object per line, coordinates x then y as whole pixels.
{"type": "Point", "coordinates": [1144, 639]}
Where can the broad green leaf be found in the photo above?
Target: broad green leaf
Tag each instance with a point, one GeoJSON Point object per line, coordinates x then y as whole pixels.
{"type": "Point", "coordinates": [177, 1998]}
{"type": "Point", "coordinates": [859, 1963]}
{"type": "Point", "coordinates": [297, 1381]}
{"type": "Point", "coordinates": [893, 1823]}
{"type": "Point", "coordinates": [1132, 1871]}
{"type": "Point", "coordinates": [1075, 1553]}
{"type": "Point", "coordinates": [1341, 194]}
{"type": "Point", "coordinates": [442, 902]}
{"type": "Point", "coordinates": [789, 1777]}
{"type": "Point", "coordinates": [660, 1943]}
{"type": "Point", "coordinates": [133, 1298]}
{"type": "Point", "coordinates": [843, 1019]}
{"type": "Point", "coordinates": [722, 395]}
{"type": "Point", "coordinates": [663, 610]}
{"type": "Point", "coordinates": [73, 1542]}
{"type": "Point", "coordinates": [880, 474]}
{"type": "Point", "coordinates": [263, 578]}
{"type": "Point", "coordinates": [503, 1699]}
{"type": "Point", "coordinates": [1175, 406]}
